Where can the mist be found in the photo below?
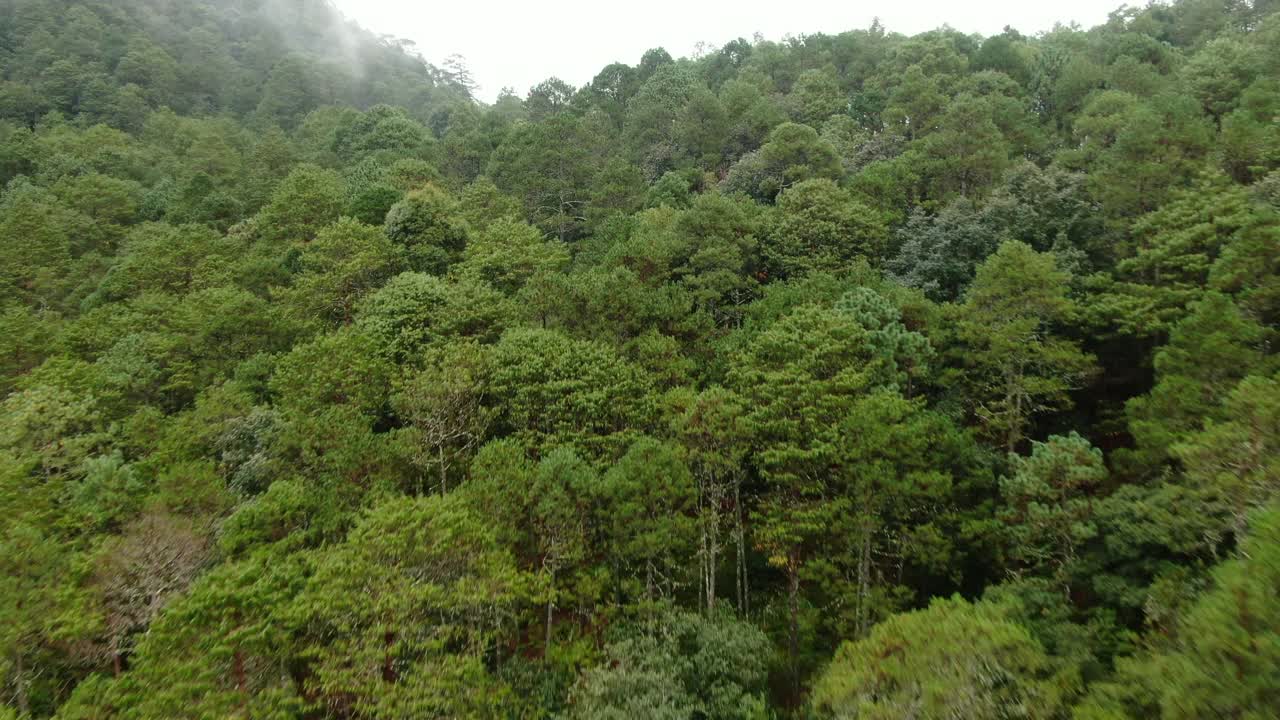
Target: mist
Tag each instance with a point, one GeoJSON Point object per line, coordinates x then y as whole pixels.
{"type": "Point", "coordinates": [518, 45]}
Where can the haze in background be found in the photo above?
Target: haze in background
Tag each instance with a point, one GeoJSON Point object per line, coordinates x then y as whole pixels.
{"type": "Point", "coordinates": [519, 44]}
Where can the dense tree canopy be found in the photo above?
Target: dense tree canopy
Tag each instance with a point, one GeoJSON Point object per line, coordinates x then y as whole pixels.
{"type": "Point", "coordinates": [846, 376]}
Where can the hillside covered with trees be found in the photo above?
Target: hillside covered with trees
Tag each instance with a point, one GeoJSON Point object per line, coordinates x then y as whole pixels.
{"type": "Point", "coordinates": [847, 376]}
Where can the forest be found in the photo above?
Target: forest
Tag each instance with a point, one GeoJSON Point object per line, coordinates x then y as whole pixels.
{"type": "Point", "coordinates": [858, 376]}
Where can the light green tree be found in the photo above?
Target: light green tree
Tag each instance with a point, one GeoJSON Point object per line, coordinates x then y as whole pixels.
{"type": "Point", "coordinates": [953, 659]}
{"type": "Point", "coordinates": [345, 262]}
{"type": "Point", "coordinates": [680, 665]}
{"type": "Point", "coordinates": [649, 498]}
{"type": "Point", "coordinates": [1048, 513]}
{"type": "Point", "coordinates": [820, 227]}
{"type": "Point", "coordinates": [304, 202]}
{"type": "Point", "coordinates": [1016, 366]}
{"type": "Point", "coordinates": [444, 406]}
{"type": "Point", "coordinates": [397, 620]}
{"type": "Point", "coordinates": [424, 224]}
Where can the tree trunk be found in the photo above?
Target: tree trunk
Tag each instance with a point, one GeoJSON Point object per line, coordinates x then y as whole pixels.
{"type": "Point", "coordinates": [551, 599]}
{"type": "Point", "coordinates": [793, 605]}
{"type": "Point", "coordinates": [710, 504]}
{"type": "Point", "coordinates": [242, 683]}
{"type": "Point", "coordinates": [444, 473]}
{"type": "Point", "coordinates": [388, 662]}
{"type": "Point", "coordinates": [20, 671]}
{"type": "Point", "coordinates": [740, 541]}
{"type": "Point", "coordinates": [713, 552]}
{"type": "Point", "coordinates": [703, 548]}
{"type": "Point", "coordinates": [1014, 399]}
{"type": "Point", "coordinates": [864, 577]}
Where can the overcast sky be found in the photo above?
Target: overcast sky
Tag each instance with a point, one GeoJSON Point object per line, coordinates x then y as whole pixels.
{"type": "Point", "coordinates": [519, 44]}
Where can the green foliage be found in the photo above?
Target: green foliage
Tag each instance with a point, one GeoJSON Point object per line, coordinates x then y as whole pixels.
{"type": "Point", "coordinates": [399, 618]}
{"type": "Point", "coordinates": [552, 390]}
{"type": "Point", "coordinates": [212, 652]}
{"type": "Point", "coordinates": [508, 252]}
{"type": "Point", "coordinates": [1019, 367]}
{"type": "Point", "coordinates": [1207, 354]}
{"type": "Point", "coordinates": [940, 254]}
{"type": "Point", "coordinates": [34, 270]}
{"type": "Point", "coordinates": [649, 493]}
{"type": "Point", "coordinates": [1142, 148]}
{"type": "Point", "coordinates": [653, 126]}
{"type": "Point", "coordinates": [794, 153]}
{"type": "Point", "coordinates": [904, 353]}
{"type": "Point", "coordinates": [1231, 625]}
{"type": "Point", "coordinates": [413, 310]}
{"type": "Point", "coordinates": [422, 224]}
{"type": "Point", "coordinates": [549, 167]}
{"type": "Point", "coordinates": [1234, 460]}
{"type": "Point", "coordinates": [443, 405]}
{"type": "Point", "coordinates": [327, 391]}
{"type": "Point", "coordinates": [819, 227]}
{"type": "Point", "coordinates": [1049, 513]}
{"type": "Point", "coordinates": [1178, 244]}
{"type": "Point", "coordinates": [953, 658]}
{"type": "Point", "coordinates": [382, 130]}
{"type": "Point", "coordinates": [815, 97]}
{"type": "Point", "coordinates": [341, 368]}
{"type": "Point", "coordinates": [159, 257]}
{"type": "Point", "coordinates": [966, 152]}
{"type": "Point", "coordinates": [681, 666]}
{"type": "Point", "coordinates": [839, 448]}
{"type": "Point", "coordinates": [307, 200]}
{"type": "Point", "coordinates": [346, 261]}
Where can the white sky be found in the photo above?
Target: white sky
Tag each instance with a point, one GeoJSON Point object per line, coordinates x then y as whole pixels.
{"type": "Point", "coordinates": [520, 43]}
